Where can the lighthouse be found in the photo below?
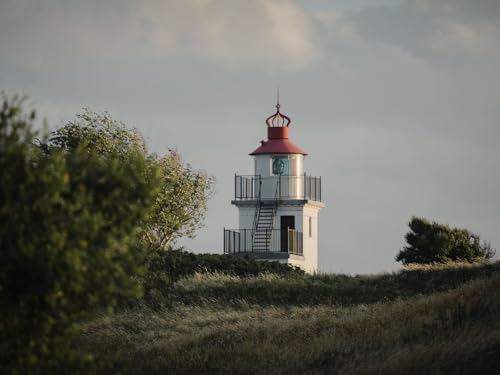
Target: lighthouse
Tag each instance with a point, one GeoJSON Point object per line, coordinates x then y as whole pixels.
{"type": "Point", "coordinates": [279, 204]}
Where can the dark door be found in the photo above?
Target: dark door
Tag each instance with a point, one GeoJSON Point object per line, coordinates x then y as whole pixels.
{"type": "Point", "coordinates": [287, 222]}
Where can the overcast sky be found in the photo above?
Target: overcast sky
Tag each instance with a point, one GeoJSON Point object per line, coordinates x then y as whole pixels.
{"type": "Point", "coordinates": [397, 102]}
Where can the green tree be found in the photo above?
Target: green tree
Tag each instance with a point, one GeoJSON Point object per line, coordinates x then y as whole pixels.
{"type": "Point", "coordinates": [100, 133]}
{"type": "Point", "coordinates": [181, 202]}
{"type": "Point", "coordinates": [432, 242]}
{"type": "Point", "coordinates": [67, 239]}
{"type": "Point", "coordinates": [180, 205]}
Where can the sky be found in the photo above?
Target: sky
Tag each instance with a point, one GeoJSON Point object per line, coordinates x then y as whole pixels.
{"type": "Point", "coordinates": [397, 102]}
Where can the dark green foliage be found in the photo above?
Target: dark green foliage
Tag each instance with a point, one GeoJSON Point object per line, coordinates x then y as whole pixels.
{"type": "Point", "coordinates": [180, 264]}
{"type": "Point", "coordinates": [167, 267]}
{"type": "Point", "coordinates": [432, 242]}
{"type": "Point", "coordinates": [68, 234]}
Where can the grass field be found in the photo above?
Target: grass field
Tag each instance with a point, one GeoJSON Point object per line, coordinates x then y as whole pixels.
{"type": "Point", "coordinates": [432, 320]}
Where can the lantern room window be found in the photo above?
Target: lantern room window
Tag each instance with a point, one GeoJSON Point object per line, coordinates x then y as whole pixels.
{"type": "Point", "coordinates": [280, 166]}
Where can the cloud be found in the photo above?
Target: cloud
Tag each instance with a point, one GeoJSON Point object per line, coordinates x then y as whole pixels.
{"type": "Point", "coordinates": [437, 30]}
{"type": "Point", "coordinates": [269, 33]}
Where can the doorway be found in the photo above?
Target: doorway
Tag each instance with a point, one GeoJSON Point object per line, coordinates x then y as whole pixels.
{"type": "Point", "coordinates": [287, 222]}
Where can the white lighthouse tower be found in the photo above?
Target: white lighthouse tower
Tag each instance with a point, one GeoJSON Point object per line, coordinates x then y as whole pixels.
{"type": "Point", "coordinates": [279, 204]}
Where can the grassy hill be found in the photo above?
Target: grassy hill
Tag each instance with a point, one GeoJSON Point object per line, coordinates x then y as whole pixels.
{"type": "Point", "coordinates": [433, 320]}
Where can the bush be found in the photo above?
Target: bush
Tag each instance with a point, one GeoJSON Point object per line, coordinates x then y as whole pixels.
{"type": "Point", "coordinates": [433, 242]}
{"type": "Point", "coordinates": [67, 240]}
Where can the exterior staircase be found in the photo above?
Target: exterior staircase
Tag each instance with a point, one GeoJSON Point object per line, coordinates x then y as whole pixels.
{"type": "Point", "coordinates": [263, 227]}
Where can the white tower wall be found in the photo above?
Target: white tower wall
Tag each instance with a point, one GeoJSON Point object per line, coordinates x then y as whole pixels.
{"type": "Point", "coordinates": [306, 221]}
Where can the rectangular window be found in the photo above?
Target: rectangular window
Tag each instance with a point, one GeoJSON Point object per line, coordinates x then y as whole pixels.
{"type": "Point", "coordinates": [310, 226]}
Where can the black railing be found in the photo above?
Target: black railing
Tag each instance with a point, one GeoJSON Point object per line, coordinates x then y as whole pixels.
{"type": "Point", "coordinates": [247, 187]}
{"type": "Point", "coordinates": [275, 241]}
{"type": "Point", "coordinates": [277, 187]}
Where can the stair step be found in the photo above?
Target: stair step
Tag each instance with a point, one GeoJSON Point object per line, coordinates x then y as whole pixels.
{"type": "Point", "coordinates": [262, 235]}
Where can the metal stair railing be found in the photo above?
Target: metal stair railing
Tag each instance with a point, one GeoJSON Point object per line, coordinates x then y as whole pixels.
{"type": "Point", "coordinates": [257, 210]}
{"type": "Point", "coordinates": [277, 197]}
{"type": "Point", "coordinates": [264, 234]}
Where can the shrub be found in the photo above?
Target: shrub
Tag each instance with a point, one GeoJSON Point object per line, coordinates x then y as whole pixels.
{"type": "Point", "coordinates": [433, 242]}
{"type": "Point", "coordinates": [67, 240]}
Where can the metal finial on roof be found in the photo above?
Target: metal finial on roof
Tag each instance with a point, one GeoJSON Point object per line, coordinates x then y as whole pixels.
{"type": "Point", "coordinates": [278, 119]}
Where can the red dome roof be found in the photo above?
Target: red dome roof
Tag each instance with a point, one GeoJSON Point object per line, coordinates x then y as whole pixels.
{"type": "Point", "coordinates": [277, 134]}
{"type": "Point", "coordinates": [278, 146]}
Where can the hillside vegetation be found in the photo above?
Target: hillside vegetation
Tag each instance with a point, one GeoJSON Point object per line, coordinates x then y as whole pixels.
{"type": "Point", "coordinates": [87, 216]}
{"type": "Point", "coordinates": [439, 319]}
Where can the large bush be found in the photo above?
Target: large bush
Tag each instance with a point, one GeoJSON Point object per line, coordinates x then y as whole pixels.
{"type": "Point", "coordinates": [67, 239]}
{"type": "Point", "coordinates": [432, 242]}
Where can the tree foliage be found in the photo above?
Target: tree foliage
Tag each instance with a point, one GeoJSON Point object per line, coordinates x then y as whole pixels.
{"type": "Point", "coordinates": [181, 202]}
{"type": "Point", "coordinates": [67, 238]}
{"type": "Point", "coordinates": [100, 133]}
{"type": "Point", "coordinates": [432, 242]}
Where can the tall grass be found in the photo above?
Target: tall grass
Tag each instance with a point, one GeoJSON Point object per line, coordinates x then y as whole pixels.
{"type": "Point", "coordinates": [435, 320]}
{"type": "Point", "coordinates": [330, 289]}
